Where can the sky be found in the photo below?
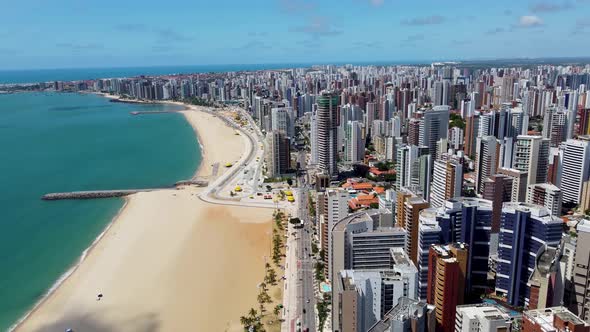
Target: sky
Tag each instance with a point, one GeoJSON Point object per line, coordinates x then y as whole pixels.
{"type": "Point", "coordinates": [108, 33]}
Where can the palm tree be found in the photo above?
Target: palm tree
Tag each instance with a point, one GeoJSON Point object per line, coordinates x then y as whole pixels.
{"type": "Point", "coordinates": [252, 313]}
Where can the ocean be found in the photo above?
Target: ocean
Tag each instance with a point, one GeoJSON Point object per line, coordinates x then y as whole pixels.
{"type": "Point", "coordinates": [53, 142]}
{"type": "Point", "coordinates": [77, 74]}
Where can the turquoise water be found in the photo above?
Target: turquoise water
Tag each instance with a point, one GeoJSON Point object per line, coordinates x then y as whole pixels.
{"type": "Point", "coordinates": [65, 142]}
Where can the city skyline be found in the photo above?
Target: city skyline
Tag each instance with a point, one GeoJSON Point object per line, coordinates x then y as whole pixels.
{"type": "Point", "coordinates": [285, 31]}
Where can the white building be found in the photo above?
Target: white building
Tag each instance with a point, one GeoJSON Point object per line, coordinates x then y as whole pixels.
{"type": "Point", "coordinates": [531, 155]}
{"type": "Point", "coordinates": [547, 195]}
{"type": "Point", "coordinates": [575, 168]}
{"type": "Point", "coordinates": [481, 318]}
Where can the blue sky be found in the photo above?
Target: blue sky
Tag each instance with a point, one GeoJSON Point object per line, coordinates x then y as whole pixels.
{"type": "Point", "coordinates": [109, 33]}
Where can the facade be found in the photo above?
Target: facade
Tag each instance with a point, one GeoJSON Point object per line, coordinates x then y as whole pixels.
{"type": "Point", "coordinates": [481, 318]}
{"type": "Point", "coordinates": [354, 149]}
{"type": "Point", "coordinates": [547, 195]}
{"type": "Point", "coordinates": [435, 126]}
{"type": "Point", "coordinates": [429, 234]}
{"type": "Point", "coordinates": [447, 182]}
{"type": "Point", "coordinates": [377, 292]}
{"type": "Point", "coordinates": [412, 207]}
{"type": "Point", "coordinates": [279, 154]}
{"type": "Point", "coordinates": [531, 155]}
{"type": "Point", "coordinates": [335, 201]}
{"type": "Point", "coordinates": [519, 183]}
{"type": "Point", "coordinates": [575, 168]}
{"type": "Point", "coordinates": [447, 266]}
{"type": "Point", "coordinates": [327, 132]}
{"type": "Point", "coordinates": [486, 160]}
{"type": "Point", "coordinates": [581, 273]}
{"type": "Point", "coordinates": [497, 189]}
{"type": "Point", "coordinates": [469, 221]}
{"type": "Point", "coordinates": [525, 230]}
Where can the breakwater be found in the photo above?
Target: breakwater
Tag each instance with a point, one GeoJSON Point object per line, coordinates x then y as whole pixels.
{"type": "Point", "coordinates": [91, 194]}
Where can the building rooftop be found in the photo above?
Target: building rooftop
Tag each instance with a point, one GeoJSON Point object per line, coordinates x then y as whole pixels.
{"type": "Point", "coordinates": [537, 211]}
{"type": "Point", "coordinates": [545, 317]}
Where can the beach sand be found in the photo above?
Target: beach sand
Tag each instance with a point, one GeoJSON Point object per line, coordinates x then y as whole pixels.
{"type": "Point", "coordinates": [169, 261]}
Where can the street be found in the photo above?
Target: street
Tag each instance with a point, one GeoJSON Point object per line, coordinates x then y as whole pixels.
{"type": "Point", "coordinates": [299, 300]}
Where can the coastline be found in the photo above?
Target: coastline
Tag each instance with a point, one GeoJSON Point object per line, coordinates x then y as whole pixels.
{"type": "Point", "coordinates": [195, 117]}
{"type": "Point", "coordinates": [69, 271]}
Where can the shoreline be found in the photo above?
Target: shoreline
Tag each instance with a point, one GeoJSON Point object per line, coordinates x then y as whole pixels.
{"type": "Point", "coordinates": [64, 277]}
{"type": "Point", "coordinates": [123, 211]}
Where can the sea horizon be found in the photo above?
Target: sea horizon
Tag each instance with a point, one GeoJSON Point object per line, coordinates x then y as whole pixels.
{"type": "Point", "coordinates": [38, 75]}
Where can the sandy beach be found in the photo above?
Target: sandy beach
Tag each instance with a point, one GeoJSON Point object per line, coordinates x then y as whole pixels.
{"type": "Point", "coordinates": [169, 261]}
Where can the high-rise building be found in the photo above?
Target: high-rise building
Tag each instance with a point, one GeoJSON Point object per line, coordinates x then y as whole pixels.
{"type": "Point", "coordinates": [525, 229]}
{"type": "Point", "coordinates": [366, 296]}
{"type": "Point", "coordinates": [412, 207]}
{"type": "Point", "coordinates": [429, 234]}
{"type": "Point", "coordinates": [354, 148]}
{"type": "Point", "coordinates": [281, 120]}
{"type": "Point", "coordinates": [546, 283]}
{"type": "Point", "coordinates": [279, 154]}
{"type": "Point", "coordinates": [575, 168]}
{"type": "Point", "coordinates": [436, 126]}
{"type": "Point", "coordinates": [471, 134]}
{"type": "Point", "coordinates": [580, 300]}
{"type": "Point", "coordinates": [497, 189]}
{"type": "Point", "coordinates": [486, 160]}
{"type": "Point", "coordinates": [327, 132]}
{"type": "Point", "coordinates": [482, 317]}
{"type": "Point", "coordinates": [447, 266]}
{"type": "Point", "coordinates": [363, 240]}
{"type": "Point", "coordinates": [547, 195]}
{"type": "Point", "coordinates": [335, 207]}
{"type": "Point", "coordinates": [552, 320]}
{"type": "Point", "coordinates": [314, 155]}
{"type": "Point", "coordinates": [447, 181]}
{"type": "Point", "coordinates": [469, 220]}
{"type": "Point", "coordinates": [531, 155]}
{"type": "Point", "coordinates": [519, 183]}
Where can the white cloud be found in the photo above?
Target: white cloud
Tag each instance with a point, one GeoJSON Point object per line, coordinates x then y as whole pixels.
{"type": "Point", "coordinates": [529, 21]}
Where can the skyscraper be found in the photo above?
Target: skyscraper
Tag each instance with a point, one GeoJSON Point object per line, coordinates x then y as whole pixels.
{"type": "Point", "coordinates": [486, 160]}
{"type": "Point", "coordinates": [531, 155]}
{"type": "Point", "coordinates": [447, 266]}
{"type": "Point", "coordinates": [279, 155]}
{"type": "Point", "coordinates": [447, 182]}
{"type": "Point", "coordinates": [327, 124]}
{"type": "Point", "coordinates": [581, 274]}
{"type": "Point", "coordinates": [411, 213]}
{"type": "Point", "coordinates": [435, 126]}
{"type": "Point", "coordinates": [547, 195]}
{"type": "Point", "coordinates": [575, 168]}
{"type": "Point", "coordinates": [525, 229]}
{"type": "Point", "coordinates": [354, 148]}
{"type": "Point", "coordinates": [468, 220]}
{"type": "Point", "coordinates": [497, 189]}
{"type": "Point", "coordinates": [429, 234]}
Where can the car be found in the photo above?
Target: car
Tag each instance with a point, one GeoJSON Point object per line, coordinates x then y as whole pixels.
{"type": "Point", "coordinates": [307, 301]}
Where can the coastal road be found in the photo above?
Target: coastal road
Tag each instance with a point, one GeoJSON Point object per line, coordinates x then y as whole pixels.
{"type": "Point", "coordinates": [306, 298]}
{"type": "Point", "coordinates": [299, 300]}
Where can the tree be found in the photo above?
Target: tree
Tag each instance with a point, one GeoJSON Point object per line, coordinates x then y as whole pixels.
{"type": "Point", "coordinates": [374, 205]}
{"type": "Point", "coordinates": [290, 181]}
{"type": "Point", "coordinates": [277, 309]}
